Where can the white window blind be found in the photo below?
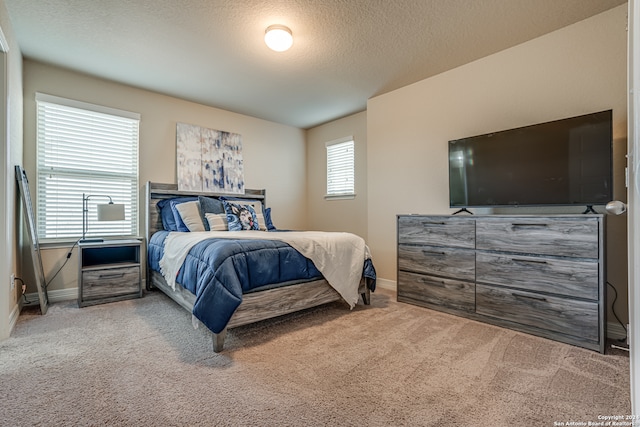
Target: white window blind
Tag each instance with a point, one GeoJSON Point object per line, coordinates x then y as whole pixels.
{"type": "Point", "coordinates": [85, 148]}
{"type": "Point", "coordinates": [340, 168]}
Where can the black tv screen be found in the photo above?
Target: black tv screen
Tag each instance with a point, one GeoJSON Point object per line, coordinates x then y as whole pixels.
{"type": "Point", "coordinates": [563, 162]}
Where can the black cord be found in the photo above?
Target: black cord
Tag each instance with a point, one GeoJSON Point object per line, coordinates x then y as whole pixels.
{"type": "Point", "coordinates": [24, 289]}
{"type": "Point", "coordinates": [63, 264]}
{"type": "Point", "coordinates": [613, 310]}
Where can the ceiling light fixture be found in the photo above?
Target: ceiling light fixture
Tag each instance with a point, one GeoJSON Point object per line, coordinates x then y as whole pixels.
{"type": "Point", "coordinates": [278, 37]}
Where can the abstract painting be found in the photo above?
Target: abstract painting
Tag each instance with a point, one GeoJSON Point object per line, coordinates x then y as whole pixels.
{"type": "Point", "coordinates": [209, 160]}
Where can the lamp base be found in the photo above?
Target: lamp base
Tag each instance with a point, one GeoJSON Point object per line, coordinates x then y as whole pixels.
{"type": "Point", "coordinates": [90, 240]}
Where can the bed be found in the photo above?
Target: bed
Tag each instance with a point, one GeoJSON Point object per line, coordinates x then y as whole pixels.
{"type": "Point", "coordinates": [228, 279]}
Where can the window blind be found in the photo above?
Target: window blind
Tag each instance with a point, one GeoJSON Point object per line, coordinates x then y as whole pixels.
{"type": "Point", "coordinates": [340, 168]}
{"type": "Point", "coordinates": [85, 148]}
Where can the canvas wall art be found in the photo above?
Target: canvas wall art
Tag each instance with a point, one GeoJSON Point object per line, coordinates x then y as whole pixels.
{"type": "Point", "coordinates": [209, 160]}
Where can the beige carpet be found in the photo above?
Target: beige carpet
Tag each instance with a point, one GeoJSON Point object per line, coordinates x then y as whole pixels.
{"type": "Point", "coordinates": [141, 363]}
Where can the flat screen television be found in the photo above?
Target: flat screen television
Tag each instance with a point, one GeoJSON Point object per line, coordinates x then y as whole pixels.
{"type": "Point", "coordinates": [560, 163]}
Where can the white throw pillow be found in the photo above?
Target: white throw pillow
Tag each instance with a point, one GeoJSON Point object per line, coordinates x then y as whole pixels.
{"type": "Point", "coordinates": [190, 214]}
{"type": "Point", "coordinates": [217, 222]}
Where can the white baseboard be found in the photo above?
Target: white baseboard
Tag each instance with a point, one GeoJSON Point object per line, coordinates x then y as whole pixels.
{"type": "Point", "coordinates": [13, 317]}
{"type": "Point", "coordinates": [386, 284]}
{"type": "Point", "coordinates": [615, 331]}
{"type": "Point", "coordinates": [56, 295]}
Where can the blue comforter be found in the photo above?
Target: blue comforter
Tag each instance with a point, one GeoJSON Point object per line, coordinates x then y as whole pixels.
{"type": "Point", "coordinates": [219, 271]}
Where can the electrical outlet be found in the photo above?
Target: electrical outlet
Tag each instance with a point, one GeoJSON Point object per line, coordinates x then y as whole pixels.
{"type": "Point", "coordinates": [13, 282]}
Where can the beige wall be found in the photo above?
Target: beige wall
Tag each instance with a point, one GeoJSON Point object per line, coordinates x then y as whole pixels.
{"type": "Point", "coordinates": [274, 155]}
{"type": "Point", "coordinates": [11, 126]}
{"type": "Point", "coordinates": [348, 215]}
{"type": "Point", "coordinates": [576, 70]}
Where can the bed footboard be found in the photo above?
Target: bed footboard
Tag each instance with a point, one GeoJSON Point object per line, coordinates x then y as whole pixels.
{"type": "Point", "coordinates": [262, 305]}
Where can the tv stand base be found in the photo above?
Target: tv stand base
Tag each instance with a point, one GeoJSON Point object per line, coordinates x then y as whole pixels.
{"type": "Point", "coordinates": [463, 210]}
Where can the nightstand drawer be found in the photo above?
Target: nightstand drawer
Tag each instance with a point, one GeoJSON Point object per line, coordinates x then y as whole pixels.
{"type": "Point", "coordinates": [448, 262]}
{"type": "Point", "coordinates": [110, 282]}
{"type": "Point", "coordinates": [541, 236]}
{"type": "Point", "coordinates": [437, 230]}
{"type": "Point", "coordinates": [553, 314]}
{"type": "Point", "coordinates": [561, 276]}
{"type": "Point", "coordinates": [435, 292]}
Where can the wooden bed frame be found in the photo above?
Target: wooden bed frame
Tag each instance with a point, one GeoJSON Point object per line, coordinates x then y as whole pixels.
{"type": "Point", "coordinates": [255, 306]}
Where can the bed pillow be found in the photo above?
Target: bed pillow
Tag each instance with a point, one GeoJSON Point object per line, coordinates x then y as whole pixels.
{"type": "Point", "coordinates": [261, 222]}
{"type": "Point", "coordinates": [190, 215]}
{"type": "Point", "coordinates": [167, 211]}
{"type": "Point", "coordinates": [209, 205]}
{"type": "Point", "coordinates": [240, 216]}
{"type": "Point", "coordinates": [255, 204]}
{"type": "Point", "coordinates": [217, 222]}
{"type": "Point", "coordinates": [180, 225]}
{"type": "Point", "coordinates": [267, 220]}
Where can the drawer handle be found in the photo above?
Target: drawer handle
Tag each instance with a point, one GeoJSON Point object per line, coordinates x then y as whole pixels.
{"type": "Point", "coordinates": [436, 253]}
{"type": "Point", "coordinates": [533, 261]}
{"type": "Point", "coordinates": [432, 282]}
{"type": "Point", "coordinates": [529, 297]}
{"type": "Point", "coordinates": [517, 225]}
{"type": "Point", "coordinates": [432, 223]}
{"type": "Point", "coordinates": [111, 276]}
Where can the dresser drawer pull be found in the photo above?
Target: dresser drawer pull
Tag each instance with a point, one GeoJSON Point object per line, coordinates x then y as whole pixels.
{"type": "Point", "coordinates": [433, 223]}
{"type": "Point", "coordinates": [111, 276]}
{"type": "Point", "coordinates": [436, 253]}
{"type": "Point", "coordinates": [524, 224]}
{"type": "Point", "coordinates": [528, 297]}
{"type": "Point", "coordinates": [533, 261]}
{"type": "Point", "coordinates": [432, 282]}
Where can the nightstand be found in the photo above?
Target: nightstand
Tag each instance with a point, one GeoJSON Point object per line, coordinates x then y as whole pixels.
{"type": "Point", "coordinates": [108, 271]}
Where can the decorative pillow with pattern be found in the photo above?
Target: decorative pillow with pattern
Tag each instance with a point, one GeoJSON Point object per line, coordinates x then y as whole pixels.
{"type": "Point", "coordinates": [241, 217]}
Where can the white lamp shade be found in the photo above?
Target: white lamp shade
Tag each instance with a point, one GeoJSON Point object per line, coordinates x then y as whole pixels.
{"type": "Point", "coordinates": [278, 38]}
{"type": "Point", "coordinates": [111, 212]}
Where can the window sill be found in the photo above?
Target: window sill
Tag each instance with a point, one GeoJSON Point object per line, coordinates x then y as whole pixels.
{"type": "Point", "coordinates": [340, 196]}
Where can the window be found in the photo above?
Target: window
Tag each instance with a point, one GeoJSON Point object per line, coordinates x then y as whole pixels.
{"type": "Point", "coordinates": [85, 149]}
{"type": "Point", "coordinates": [340, 168]}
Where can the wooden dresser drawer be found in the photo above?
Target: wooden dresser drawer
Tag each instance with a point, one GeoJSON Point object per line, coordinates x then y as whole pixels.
{"type": "Point", "coordinates": [554, 314]}
{"type": "Point", "coordinates": [575, 278]}
{"type": "Point", "coordinates": [545, 236]}
{"type": "Point", "coordinates": [439, 261]}
{"type": "Point", "coordinates": [109, 282]}
{"type": "Point", "coordinates": [436, 292]}
{"type": "Point", "coordinates": [437, 231]}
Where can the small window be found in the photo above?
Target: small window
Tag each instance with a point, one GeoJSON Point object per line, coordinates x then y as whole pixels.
{"type": "Point", "coordinates": [85, 148]}
{"type": "Point", "coordinates": [340, 168]}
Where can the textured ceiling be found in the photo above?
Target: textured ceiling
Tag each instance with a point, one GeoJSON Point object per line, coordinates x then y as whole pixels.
{"type": "Point", "coordinates": [344, 52]}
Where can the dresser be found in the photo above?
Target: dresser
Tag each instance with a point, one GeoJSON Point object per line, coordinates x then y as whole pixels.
{"type": "Point", "coordinates": [108, 271]}
{"type": "Point", "coordinates": [543, 275]}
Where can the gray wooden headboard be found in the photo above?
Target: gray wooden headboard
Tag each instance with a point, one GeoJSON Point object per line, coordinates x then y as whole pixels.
{"type": "Point", "coordinates": [157, 191]}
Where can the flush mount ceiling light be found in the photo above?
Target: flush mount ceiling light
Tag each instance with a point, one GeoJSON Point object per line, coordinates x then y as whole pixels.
{"type": "Point", "coordinates": [278, 37]}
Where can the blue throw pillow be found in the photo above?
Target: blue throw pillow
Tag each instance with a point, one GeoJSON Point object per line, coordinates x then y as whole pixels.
{"type": "Point", "coordinates": [209, 205]}
{"type": "Point", "coordinates": [240, 217]}
{"type": "Point", "coordinates": [267, 219]}
{"type": "Point", "coordinates": [168, 213]}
